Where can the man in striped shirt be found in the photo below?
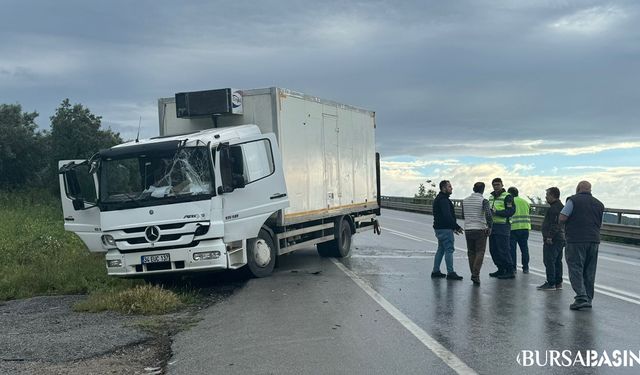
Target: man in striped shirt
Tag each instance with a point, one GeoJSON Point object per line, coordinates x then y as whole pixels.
{"type": "Point", "coordinates": [477, 227]}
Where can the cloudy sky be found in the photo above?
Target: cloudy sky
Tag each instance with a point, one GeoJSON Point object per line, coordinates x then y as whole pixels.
{"type": "Point", "coordinates": [540, 93]}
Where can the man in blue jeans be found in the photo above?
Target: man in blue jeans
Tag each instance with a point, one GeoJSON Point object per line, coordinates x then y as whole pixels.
{"type": "Point", "coordinates": [445, 225]}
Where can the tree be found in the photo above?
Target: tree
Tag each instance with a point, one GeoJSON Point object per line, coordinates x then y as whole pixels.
{"type": "Point", "coordinates": [535, 199]}
{"type": "Point", "coordinates": [76, 133]}
{"type": "Point", "coordinates": [23, 148]}
{"type": "Point", "coordinates": [424, 193]}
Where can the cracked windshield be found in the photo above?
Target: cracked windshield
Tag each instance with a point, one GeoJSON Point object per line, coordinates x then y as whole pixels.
{"type": "Point", "coordinates": [149, 177]}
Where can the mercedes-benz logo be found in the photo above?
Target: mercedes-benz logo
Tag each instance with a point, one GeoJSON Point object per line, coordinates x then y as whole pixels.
{"type": "Point", "coordinates": [152, 234]}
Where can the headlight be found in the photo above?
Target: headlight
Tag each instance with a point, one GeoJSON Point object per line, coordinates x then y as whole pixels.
{"type": "Point", "coordinates": [108, 240]}
{"type": "Point", "coordinates": [206, 255]}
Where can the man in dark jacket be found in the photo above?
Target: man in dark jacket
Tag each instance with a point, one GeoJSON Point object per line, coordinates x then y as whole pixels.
{"type": "Point", "coordinates": [582, 216]}
{"type": "Point", "coordinates": [553, 237]}
{"type": "Point", "coordinates": [445, 225]}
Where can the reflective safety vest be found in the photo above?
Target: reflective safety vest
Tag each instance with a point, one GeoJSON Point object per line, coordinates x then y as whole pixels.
{"type": "Point", "coordinates": [498, 205]}
{"type": "Point", "coordinates": [521, 219]}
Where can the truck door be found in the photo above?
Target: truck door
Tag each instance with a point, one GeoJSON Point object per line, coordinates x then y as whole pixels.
{"type": "Point", "coordinates": [78, 194]}
{"type": "Point", "coordinates": [252, 186]}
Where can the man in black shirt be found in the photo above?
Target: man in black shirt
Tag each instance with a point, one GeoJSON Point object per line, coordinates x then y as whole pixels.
{"type": "Point", "coordinates": [444, 224]}
{"type": "Point", "coordinates": [553, 237]}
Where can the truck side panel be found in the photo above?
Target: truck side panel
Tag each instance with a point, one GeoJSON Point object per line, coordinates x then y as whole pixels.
{"type": "Point", "coordinates": [328, 155]}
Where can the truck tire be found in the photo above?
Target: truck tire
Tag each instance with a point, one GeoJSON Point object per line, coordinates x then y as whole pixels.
{"type": "Point", "coordinates": [339, 247]}
{"type": "Point", "coordinates": [326, 249]}
{"type": "Point", "coordinates": [261, 255]}
{"type": "Point", "coordinates": [343, 239]}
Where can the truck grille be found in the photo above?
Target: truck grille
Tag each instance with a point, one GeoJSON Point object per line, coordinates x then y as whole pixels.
{"type": "Point", "coordinates": [174, 235]}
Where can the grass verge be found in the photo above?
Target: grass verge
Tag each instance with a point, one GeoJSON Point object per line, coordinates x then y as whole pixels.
{"type": "Point", "coordinates": [139, 300]}
{"type": "Point", "coordinates": [40, 258]}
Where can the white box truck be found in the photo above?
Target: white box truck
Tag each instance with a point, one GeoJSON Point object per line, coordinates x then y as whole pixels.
{"type": "Point", "coordinates": [236, 178]}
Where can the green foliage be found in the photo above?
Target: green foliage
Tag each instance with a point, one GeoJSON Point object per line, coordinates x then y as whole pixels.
{"type": "Point", "coordinates": [29, 157]}
{"type": "Point", "coordinates": [23, 148]}
{"type": "Point", "coordinates": [76, 133]}
{"type": "Point", "coordinates": [39, 257]}
{"type": "Point", "coordinates": [424, 193]}
{"type": "Point", "coordinates": [140, 300]}
{"type": "Point", "coordinates": [535, 200]}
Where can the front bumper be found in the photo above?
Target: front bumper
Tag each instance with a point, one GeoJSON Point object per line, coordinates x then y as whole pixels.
{"type": "Point", "coordinates": [181, 260]}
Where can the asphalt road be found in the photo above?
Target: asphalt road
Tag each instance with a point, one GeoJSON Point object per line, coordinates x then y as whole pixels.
{"type": "Point", "coordinates": [379, 312]}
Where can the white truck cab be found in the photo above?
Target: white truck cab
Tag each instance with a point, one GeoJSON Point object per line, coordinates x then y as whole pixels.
{"type": "Point", "coordinates": [161, 202]}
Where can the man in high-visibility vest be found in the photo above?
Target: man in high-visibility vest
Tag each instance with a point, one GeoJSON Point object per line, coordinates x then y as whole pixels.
{"type": "Point", "coordinates": [520, 227]}
{"type": "Point", "coordinates": [502, 206]}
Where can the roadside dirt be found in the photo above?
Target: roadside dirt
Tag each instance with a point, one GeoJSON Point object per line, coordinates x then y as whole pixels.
{"type": "Point", "coordinates": [43, 335]}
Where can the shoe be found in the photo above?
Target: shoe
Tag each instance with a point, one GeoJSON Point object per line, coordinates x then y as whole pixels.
{"type": "Point", "coordinates": [453, 276]}
{"type": "Point", "coordinates": [525, 270]}
{"type": "Point", "coordinates": [507, 275]}
{"type": "Point", "coordinates": [437, 275]}
{"type": "Point", "coordinates": [559, 286]}
{"type": "Point", "coordinates": [578, 305]}
{"type": "Point", "coordinates": [495, 274]}
{"type": "Point", "coordinates": [546, 286]}
{"type": "Point", "coordinates": [475, 280]}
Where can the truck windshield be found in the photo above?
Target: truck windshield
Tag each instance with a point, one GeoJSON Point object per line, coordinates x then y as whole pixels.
{"type": "Point", "coordinates": [156, 178]}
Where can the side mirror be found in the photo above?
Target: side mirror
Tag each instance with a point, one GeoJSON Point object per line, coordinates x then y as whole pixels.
{"type": "Point", "coordinates": [78, 204]}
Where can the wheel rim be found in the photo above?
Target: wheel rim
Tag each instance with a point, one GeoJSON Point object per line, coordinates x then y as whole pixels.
{"type": "Point", "coordinates": [262, 253]}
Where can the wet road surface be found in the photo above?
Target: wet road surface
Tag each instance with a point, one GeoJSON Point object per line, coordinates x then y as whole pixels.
{"type": "Point", "coordinates": [379, 312]}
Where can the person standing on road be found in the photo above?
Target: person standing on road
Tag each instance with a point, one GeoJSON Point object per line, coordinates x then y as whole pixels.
{"type": "Point", "coordinates": [582, 216]}
{"type": "Point", "coordinates": [445, 225]}
{"type": "Point", "coordinates": [520, 227]}
{"type": "Point", "coordinates": [477, 227]}
{"type": "Point", "coordinates": [553, 237]}
{"type": "Point", "coordinates": [502, 207]}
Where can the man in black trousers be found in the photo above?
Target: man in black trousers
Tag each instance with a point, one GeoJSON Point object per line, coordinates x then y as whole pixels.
{"type": "Point", "coordinates": [582, 216]}
{"type": "Point", "coordinates": [553, 237]}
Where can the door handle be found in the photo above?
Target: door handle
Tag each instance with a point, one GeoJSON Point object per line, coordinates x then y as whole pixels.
{"type": "Point", "coordinates": [278, 195]}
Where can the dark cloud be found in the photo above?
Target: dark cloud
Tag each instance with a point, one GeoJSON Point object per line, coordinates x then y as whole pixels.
{"type": "Point", "coordinates": [437, 73]}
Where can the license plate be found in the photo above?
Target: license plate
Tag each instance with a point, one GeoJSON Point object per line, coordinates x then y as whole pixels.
{"type": "Point", "coordinates": [155, 258]}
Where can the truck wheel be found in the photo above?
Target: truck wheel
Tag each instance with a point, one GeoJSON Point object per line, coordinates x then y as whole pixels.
{"type": "Point", "coordinates": [327, 249]}
{"type": "Point", "coordinates": [343, 240]}
{"type": "Point", "coordinates": [261, 255]}
{"type": "Point", "coordinates": [341, 245]}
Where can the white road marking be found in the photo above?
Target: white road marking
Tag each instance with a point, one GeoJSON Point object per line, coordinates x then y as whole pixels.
{"type": "Point", "coordinates": [448, 357]}
{"type": "Point", "coordinates": [606, 290]}
{"type": "Point", "coordinates": [603, 257]}
{"type": "Point", "coordinates": [400, 256]}
{"type": "Point", "coordinates": [618, 260]}
{"type": "Point", "coordinates": [603, 289]}
{"type": "Point", "coordinates": [393, 256]}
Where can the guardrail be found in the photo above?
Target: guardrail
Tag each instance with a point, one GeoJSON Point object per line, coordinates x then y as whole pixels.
{"type": "Point", "coordinates": [617, 229]}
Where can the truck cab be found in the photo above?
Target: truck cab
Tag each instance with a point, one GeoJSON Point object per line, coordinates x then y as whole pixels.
{"type": "Point", "coordinates": [197, 201]}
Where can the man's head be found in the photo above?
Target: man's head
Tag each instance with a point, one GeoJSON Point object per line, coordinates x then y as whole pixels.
{"type": "Point", "coordinates": [553, 194]}
{"type": "Point", "coordinates": [513, 191]}
{"type": "Point", "coordinates": [583, 187]}
{"type": "Point", "coordinates": [497, 184]}
{"type": "Point", "coordinates": [445, 187]}
{"type": "Point", "coordinates": [478, 187]}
